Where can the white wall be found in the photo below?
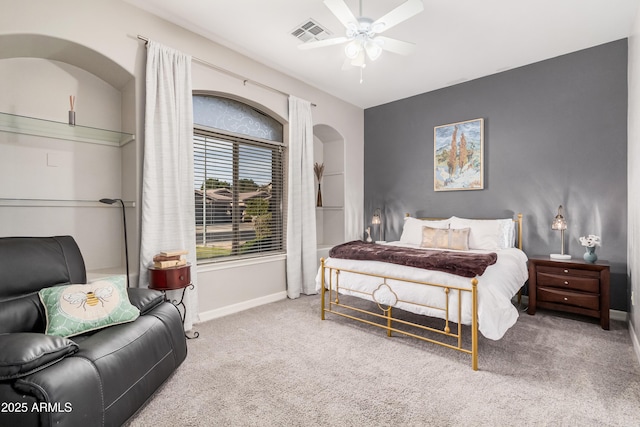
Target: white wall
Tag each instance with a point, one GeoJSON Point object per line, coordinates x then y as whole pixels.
{"type": "Point", "coordinates": [633, 160]}
{"type": "Point", "coordinates": [111, 28]}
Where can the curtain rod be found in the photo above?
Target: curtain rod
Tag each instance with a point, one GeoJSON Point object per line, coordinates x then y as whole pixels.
{"type": "Point", "coordinates": [229, 73]}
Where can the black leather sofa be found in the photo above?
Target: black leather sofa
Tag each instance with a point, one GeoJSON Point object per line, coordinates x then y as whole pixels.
{"type": "Point", "coordinates": [99, 378]}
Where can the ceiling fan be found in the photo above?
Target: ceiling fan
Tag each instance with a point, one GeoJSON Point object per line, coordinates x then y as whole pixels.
{"type": "Point", "coordinates": [362, 33]}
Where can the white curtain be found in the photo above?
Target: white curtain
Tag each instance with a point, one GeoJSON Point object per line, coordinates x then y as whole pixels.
{"type": "Point", "coordinates": [302, 260]}
{"type": "Point", "coordinates": [168, 207]}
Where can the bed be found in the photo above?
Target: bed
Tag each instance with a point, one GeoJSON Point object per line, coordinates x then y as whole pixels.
{"type": "Point", "coordinates": [463, 271]}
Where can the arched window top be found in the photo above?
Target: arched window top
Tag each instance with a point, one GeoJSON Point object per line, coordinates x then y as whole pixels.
{"type": "Point", "coordinates": [234, 116]}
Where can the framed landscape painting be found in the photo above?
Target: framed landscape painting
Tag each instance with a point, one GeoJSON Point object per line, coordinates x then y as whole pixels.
{"type": "Point", "coordinates": [458, 156]}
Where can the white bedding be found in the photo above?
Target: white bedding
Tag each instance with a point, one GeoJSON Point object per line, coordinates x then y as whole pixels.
{"type": "Point", "coordinates": [499, 283]}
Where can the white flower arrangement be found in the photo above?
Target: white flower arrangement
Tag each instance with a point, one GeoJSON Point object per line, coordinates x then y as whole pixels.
{"type": "Point", "coordinates": [590, 241]}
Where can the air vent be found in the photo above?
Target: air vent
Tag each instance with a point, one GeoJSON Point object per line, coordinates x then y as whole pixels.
{"type": "Point", "coordinates": [310, 30]}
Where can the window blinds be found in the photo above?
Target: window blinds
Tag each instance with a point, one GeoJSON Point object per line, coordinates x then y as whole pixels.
{"type": "Point", "coordinates": [238, 192]}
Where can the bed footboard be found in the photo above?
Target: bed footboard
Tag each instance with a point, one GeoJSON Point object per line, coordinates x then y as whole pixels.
{"type": "Point", "coordinates": [330, 303]}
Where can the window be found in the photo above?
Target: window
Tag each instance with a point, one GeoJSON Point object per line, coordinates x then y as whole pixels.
{"type": "Point", "coordinates": [238, 180]}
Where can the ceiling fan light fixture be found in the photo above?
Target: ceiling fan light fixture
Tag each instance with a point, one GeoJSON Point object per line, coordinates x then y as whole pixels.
{"type": "Point", "coordinates": [363, 39]}
{"type": "Point", "coordinates": [359, 61]}
{"type": "Point", "coordinates": [352, 30]}
{"type": "Point", "coordinates": [353, 49]}
{"type": "Point", "coordinates": [373, 49]}
{"type": "Point", "coordinates": [377, 27]}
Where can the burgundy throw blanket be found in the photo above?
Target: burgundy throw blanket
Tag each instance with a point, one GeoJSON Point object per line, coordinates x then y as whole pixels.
{"type": "Point", "coordinates": [459, 263]}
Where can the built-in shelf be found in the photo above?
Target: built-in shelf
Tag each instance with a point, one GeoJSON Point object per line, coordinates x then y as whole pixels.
{"type": "Point", "coordinates": [101, 273]}
{"type": "Point", "coordinates": [60, 203]}
{"type": "Point", "coordinates": [51, 129]}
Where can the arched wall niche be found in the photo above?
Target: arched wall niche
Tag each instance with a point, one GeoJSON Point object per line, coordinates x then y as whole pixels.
{"type": "Point", "coordinates": [79, 69]}
{"type": "Point", "coordinates": [328, 149]}
{"type": "Point", "coordinates": [56, 49]}
{"type": "Point", "coordinates": [53, 183]}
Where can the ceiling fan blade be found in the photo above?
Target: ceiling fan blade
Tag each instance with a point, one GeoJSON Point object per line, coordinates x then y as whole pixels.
{"type": "Point", "coordinates": [401, 13]}
{"type": "Point", "coordinates": [395, 46]}
{"type": "Point", "coordinates": [342, 12]}
{"type": "Point", "coordinates": [322, 43]}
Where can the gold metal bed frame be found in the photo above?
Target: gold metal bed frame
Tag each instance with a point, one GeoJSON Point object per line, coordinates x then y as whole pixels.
{"type": "Point", "coordinates": [387, 313]}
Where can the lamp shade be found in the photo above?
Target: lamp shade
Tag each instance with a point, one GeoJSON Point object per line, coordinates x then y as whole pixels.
{"type": "Point", "coordinates": [373, 49]}
{"type": "Point", "coordinates": [353, 49]}
{"type": "Point", "coordinates": [559, 223]}
{"type": "Point", "coordinates": [376, 218]}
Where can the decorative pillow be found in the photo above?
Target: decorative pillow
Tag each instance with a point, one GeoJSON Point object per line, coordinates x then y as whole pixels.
{"type": "Point", "coordinates": [76, 309]}
{"type": "Point", "coordinates": [487, 234]}
{"type": "Point", "coordinates": [412, 229]}
{"type": "Point", "coordinates": [24, 353]}
{"type": "Point", "coordinates": [447, 238]}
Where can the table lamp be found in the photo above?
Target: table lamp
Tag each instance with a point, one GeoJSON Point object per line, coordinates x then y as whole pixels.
{"type": "Point", "coordinates": [559, 223]}
{"type": "Point", "coordinates": [377, 220]}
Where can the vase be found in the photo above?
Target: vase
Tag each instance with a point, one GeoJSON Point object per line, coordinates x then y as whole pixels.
{"type": "Point", "coordinates": [590, 254]}
{"type": "Point", "coordinates": [319, 201]}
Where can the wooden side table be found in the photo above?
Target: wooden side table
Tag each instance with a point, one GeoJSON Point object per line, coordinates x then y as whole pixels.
{"type": "Point", "coordinates": [172, 279]}
{"type": "Point", "coordinates": [573, 286]}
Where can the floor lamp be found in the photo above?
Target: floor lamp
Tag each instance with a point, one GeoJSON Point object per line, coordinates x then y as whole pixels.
{"type": "Point", "coordinates": [124, 222]}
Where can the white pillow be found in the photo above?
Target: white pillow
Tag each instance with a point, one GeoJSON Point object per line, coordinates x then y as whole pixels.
{"type": "Point", "coordinates": [412, 229]}
{"type": "Point", "coordinates": [488, 234]}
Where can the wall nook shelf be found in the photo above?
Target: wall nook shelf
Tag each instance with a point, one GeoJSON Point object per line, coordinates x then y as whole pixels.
{"type": "Point", "coordinates": [40, 127]}
{"type": "Point", "coordinates": [52, 203]}
{"type": "Point", "coordinates": [330, 208]}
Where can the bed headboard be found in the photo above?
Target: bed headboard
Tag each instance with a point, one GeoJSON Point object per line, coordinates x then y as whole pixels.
{"type": "Point", "coordinates": [517, 220]}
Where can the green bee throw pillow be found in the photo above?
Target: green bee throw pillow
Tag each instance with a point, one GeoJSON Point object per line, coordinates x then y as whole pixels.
{"type": "Point", "coordinates": [76, 309]}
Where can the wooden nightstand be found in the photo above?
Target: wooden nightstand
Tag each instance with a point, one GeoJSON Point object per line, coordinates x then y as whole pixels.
{"type": "Point", "coordinates": [573, 286]}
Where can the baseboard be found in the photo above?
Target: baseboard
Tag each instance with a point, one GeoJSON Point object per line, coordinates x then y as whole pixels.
{"type": "Point", "coordinates": [618, 315]}
{"type": "Point", "coordinates": [245, 305]}
{"type": "Point", "coordinates": [634, 340]}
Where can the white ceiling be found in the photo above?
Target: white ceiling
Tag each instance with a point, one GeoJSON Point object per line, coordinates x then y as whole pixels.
{"type": "Point", "coordinates": [457, 40]}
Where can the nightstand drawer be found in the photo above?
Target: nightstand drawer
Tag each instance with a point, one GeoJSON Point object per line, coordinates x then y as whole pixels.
{"type": "Point", "coordinates": [566, 281]}
{"type": "Point", "coordinates": [172, 278]}
{"type": "Point", "coordinates": [578, 299]}
{"type": "Point", "coordinates": [562, 271]}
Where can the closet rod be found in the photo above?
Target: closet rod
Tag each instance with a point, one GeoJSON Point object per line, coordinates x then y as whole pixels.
{"type": "Point", "coordinates": [229, 73]}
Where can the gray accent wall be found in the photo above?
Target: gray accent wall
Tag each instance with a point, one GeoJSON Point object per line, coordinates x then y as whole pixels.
{"type": "Point", "coordinates": [555, 132]}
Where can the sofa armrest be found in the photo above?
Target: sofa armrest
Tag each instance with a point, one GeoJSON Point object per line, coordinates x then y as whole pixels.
{"type": "Point", "coordinates": [24, 353]}
{"type": "Point", "coordinates": [145, 300]}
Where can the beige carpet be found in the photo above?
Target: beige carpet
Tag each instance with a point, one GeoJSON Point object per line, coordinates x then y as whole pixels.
{"type": "Point", "coordinates": [280, 365]}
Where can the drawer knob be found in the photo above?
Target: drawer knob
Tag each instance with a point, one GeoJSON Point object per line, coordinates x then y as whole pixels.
{"type": "Point", "coordinates": [566, 299]}
{"type": "Point", "coordinates": [566, 271]}
{"type": "Point", "coordinates": [566, 283]}
{"type": "Point", "coordinates": [181, 277]}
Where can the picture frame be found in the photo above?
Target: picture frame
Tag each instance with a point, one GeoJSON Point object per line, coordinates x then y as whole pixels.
{"type": "Point", "coordinates": [458, 156]}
